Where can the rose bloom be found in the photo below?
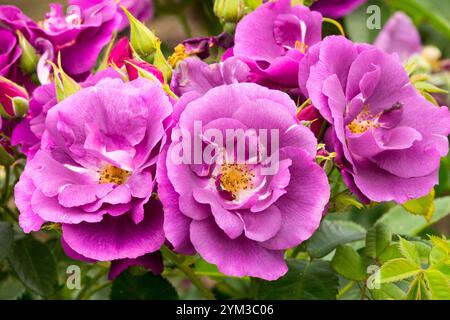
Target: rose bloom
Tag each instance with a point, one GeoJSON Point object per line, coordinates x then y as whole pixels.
{"type": "Point", "coordinates": [388, 138]}
{"type": "Point", "coordinates": [140, 9]}
{"type": "Point", "coordinates": [194, 75]}
{"type": "Point", "coordinates": [274, 38]}
{"type": "Point", "coordinates": [238, 215]}
{"type": "Point", "coordinates": [95, 172]}
{"type": "Point", "coordinates": [29, 131]}
{"type": "Point", "coordinates": [9, 51]}
{"type": "Point", "coordinates": [78, 35]}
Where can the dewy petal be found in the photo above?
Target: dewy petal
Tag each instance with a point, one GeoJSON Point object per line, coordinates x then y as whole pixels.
{"type": "Point", "coordinates": [239, 257]}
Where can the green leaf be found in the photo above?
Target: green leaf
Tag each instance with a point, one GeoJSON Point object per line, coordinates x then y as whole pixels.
{"type": "Point", "coordinates": [377, 240]}
{"type": "Point", "coordinates": [409, 251]}
{"type": "Point", "coordinates": [423, 206]}
{"type": "Point", "coordinates": [398, 269]}
{"type": "Point", "coordinates": [438, 284]}
{"type": "Point", "coordinates": [348, 263]}
{"type": "Point", "coordinates": [388, 291]}
{"type": "Point", "coordinates": [331, 234]}
{"type": "Point", "coordinates": [428, 87]}
{"type": "Point", "coordinates": [206, 269]}
{"type": "Point", "coordinates": [305, 280]}
{"type": "Point", "coordinates": [146, 286]}
{"type": "Point", "coordinates": [344, 201]}
{"type": "Point", "coordinates": [35, 265]}
{"type": "Point", "coordinates": [401, 222]}
{"type": "Point", "coordinates": [6, 239]}
{"type": "Point", "coordinates": [11, 288]}
{"type": "Point", "coordinates": [418, 290]}
{"type": "Point", "coordinates": [390, 253]}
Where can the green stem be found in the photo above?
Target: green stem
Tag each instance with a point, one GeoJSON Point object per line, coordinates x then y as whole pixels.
{"type": "Point", "coordinates": [188, 272]}
{"type": "Point", "coordinates": [363, 291]}
{"type": "Point", "coordinates": [345, 289]}
{"type": "Point", "coordinates": [4, 197]}
{"type": "Point", "coordinates": [81, 295]}
{"type": "Point", "coordinates": [322, 131]}
{"type": "Point", "coordinates": [98, 288]}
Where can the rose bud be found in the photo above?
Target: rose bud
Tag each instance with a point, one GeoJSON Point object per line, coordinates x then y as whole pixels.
{"type": "Point", "coordinates": [138, 68]}
{"type": "Point", "coordinates": [13, 99]}
{"type": "Point", "coordinates": [120, 52]}
{"type": "Point", "coordinates": [311, 115]}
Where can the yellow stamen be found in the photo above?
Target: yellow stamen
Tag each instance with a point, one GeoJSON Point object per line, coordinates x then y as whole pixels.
{"type": "Point", "coordinates": [178, 55]}
{"type": "Point", "coordinates": [364, 121]}
{"type": "Point", "coordinates": [113, 174]}
{"type": "Point", "coordinates": [235, 178]}
{"type": "Point", "coordinates": [301, 46]}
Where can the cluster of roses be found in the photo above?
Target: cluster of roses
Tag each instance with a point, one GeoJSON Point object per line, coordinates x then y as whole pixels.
{"type": "Point", "coordinates": [99, 164]}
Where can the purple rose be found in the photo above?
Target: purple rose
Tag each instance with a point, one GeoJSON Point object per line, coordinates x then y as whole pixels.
{"type": "Point", "coordinates": [9, 51]}
{"type": "Point", "coordinates": [140, 9]}
{"type": "Point", "coordinates": [238, 214]}
{"type": "Point", "coordinates": [29, 131]}
{"type": "Point", "coordinates": [388, 138]}
{"type": "Point", "coordinates": [274, 38]}
{"type": "Point", "coordinates": [95, 171]}
{"type": "Point", "coordinates": [194, 75]}
{"type": "Point", "coordinates": [336, 8]}
{"type": "Point", "coordinates": [78, 36]}
{"type": "Point", "coordinates": [399, 36]}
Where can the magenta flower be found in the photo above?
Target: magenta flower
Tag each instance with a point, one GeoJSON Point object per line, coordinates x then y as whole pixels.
{"type": "Point", "coordinates": [79, 35]}
{"type": "Point", "coordinates": [238, 215]}
{"type": "Point", "coordinates": [336, 8]}
{"type": "Point", "coordinates": [399, 36]}
{"type": "Point", "coordinates": [194, 75]}
{"type": "Point", "coordinates": [388, 138]}
{"type": "Point", "coordinates": [274, 38]}
{"type": "Point", "coordinates": [29, 131]}
{"type": "Point", "coordinates": [95, 171]}
{"type": "Point", "coordinates": [9, 51]}
{"type": "Point", "coordinates": [140, 9]}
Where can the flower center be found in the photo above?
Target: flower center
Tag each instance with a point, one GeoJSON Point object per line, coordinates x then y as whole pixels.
{"type": "Point", "coordinates": [113, 174]}
{"type": "Point", "coordinates": [235, 178]}
{"type": "Point", "coordinates": [178, 55]}
{"type": "Point", "coordinates": [364, 121]}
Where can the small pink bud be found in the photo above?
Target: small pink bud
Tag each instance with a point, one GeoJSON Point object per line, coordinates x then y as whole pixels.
{"type": "Point", "coordinates": [120, 52]}
{"type": "Point", "coordinates": [310, 113]}
{"type": "Point", "coordinates": [9, 92]}
{"type": "Point", "coordinates": [134, 66]}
